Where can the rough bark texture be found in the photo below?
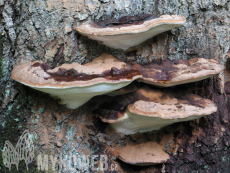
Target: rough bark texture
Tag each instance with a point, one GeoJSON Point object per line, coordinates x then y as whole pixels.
{"type": "Point", "coordinates": [44, 30]}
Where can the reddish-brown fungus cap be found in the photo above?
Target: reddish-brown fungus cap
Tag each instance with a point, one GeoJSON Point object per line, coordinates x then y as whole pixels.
{"type": "Point", "coordinates": [129, 35]}
{"type": "Point", "coordinates": [148, 109]}
{"type": "Point", "coordinates": [149, 153]}
{"type": "Point", "coordinates": [75, 84]}
{"type": "Point", "coordinates": [169, 73]}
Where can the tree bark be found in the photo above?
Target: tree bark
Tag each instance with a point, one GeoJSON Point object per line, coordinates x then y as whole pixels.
{"type": "Point", "coordinates": [44, 30]}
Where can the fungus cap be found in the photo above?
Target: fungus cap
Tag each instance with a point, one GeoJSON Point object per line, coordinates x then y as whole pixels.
{"type": "Point", "coordinates": [75, 84]}
{"type": "Point", "coordinates": [129, 35]}
{"type": "Point", "coordinates": [170, 73]}
{"type": "Point", "coordinates": [144, 154]}
{"type": "Point", "coordinates": [148, 109]}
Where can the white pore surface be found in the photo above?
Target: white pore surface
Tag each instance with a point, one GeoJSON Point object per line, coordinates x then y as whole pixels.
{"type": "Point", "coordinates": [133, 123]}
{"type": "Point", "coordinates": [74, 97]}
{"type": "Point", "coordinates": [125, 41]}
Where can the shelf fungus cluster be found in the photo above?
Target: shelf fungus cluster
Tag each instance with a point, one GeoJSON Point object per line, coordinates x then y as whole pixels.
{"type": "Point", "coordinates": [137, 108]}
{"type": "Point", "coordinates": [75, 84]}
{"type": "Point", "coordinates": [149, 109]}
{"type": "Point", "coordinates": [129, 31]}
{"type": "Point", "coordinates": [132, 109]}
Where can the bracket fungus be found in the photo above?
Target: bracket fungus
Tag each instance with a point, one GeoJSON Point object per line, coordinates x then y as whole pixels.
{"type": "Point", "coordinates": [125, 90]}
{"type": "Point", "coordinates": [145, 154]}
{"type": "Point", "coordinates": [170, 73]}
{"type": "Point", "coordinates": [75, 84]}
{"type": "Point", "coordinates": [150, 109]}
{"type": "Point", "coordinates": [129, 31]}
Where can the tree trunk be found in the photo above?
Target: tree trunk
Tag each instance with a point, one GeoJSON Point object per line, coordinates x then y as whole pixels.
{"type": "Point", "coordinates": [44, 30]}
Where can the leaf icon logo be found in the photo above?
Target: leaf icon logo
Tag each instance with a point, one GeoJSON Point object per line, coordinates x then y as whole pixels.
{"type": "Point", "coordinates": [24, 150]}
